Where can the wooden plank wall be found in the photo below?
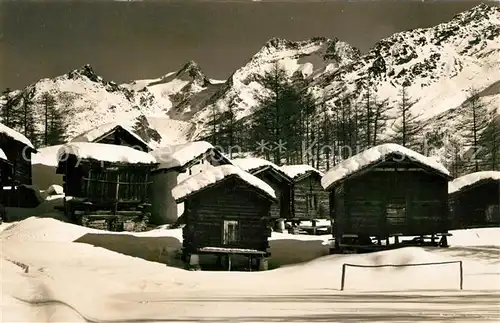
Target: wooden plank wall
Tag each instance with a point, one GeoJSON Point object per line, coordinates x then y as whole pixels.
{"type": "Point", "coordinates": [310, 185]}
{"type": "Point", "coordinates": [206, 211]}
{"type": "Point", "coordinates": [366, 197]}
{"type": "Point", "coordinates": [469, 206]}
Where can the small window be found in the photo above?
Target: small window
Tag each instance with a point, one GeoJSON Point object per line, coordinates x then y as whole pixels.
{"type": "Point", "coordinates": [396, 214]}
{"type": "Point", "coordinates": [492, 214]}
{"type": "Point", "coordinates": [230, 232]}
{"type": "Point", "coordinates": [312, 201]}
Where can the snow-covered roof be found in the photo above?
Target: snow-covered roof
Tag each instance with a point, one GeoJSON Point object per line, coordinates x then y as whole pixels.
{"type": "Point", "coordinates": [103, 130]}
{"type": "Point", "coordinates": [46, 156]}
{"type": "Point", "coordinates": [15, 135]}
{"type": "Point", "coordinates": [255, 164]}
{"type": "Point", "coordinates": [106, 152]}
{"type": "Point", "coordinates": [465, 181]}
{"type": "Point", "coordinates": [173, 156]}
{"type": "Point", "coordinates": [250, 164]}
{"type": "Point", "coordinates": [2, 155]}
{"type": "Point", "coordinates": [373, 156]}
{"type": "Point", "coordinates": [214, 175]}
{"type": "Point", "coordinates": [296, 171]}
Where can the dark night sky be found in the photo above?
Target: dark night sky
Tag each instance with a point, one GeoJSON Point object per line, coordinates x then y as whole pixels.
{"type": "Point", "coordinates": [133, 40]}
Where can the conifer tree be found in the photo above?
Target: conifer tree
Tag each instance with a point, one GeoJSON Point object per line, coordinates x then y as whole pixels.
{"type": "Point", "coordinates": [474, 122]}
{"type": "Point", "coordinates": [407, 128]}
{"type": "Point", "coordinates": [27, 122]}
{"type": "Point", "coordinates": [9, 111]}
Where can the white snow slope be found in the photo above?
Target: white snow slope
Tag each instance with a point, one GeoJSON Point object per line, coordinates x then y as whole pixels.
{"type": "Point", "coordinates": [57, 272]}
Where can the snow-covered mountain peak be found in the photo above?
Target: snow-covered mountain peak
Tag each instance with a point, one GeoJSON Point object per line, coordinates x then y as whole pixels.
{"type": "Point", "coordinates": [330, 49]}
{"type": "Point", "coordinates": [85, 71]}
{"type": "Point", "coordinates": [191, 71]}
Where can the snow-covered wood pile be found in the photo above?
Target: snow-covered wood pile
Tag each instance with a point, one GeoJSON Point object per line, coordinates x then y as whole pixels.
{"type": "Point", "coordinates": [465, 181]}
{"type": "Point", "coordinates": [374, 156]}
{"type": "Point", "coordinates": [105, 152]}
{"type": "Point", "coordinates": [173, 156]}
{"type": "Point", "coordinates": [15, 135]}
{"type": "Point", "coordinates": [103, 130]}
{"type": "Point", "coordinates": [296, 171]}
{"type": "Point", "coordinates": [214, 175]}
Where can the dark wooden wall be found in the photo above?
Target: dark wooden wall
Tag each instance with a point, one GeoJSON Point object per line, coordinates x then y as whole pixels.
{"type": "Point", "coordinates": [310, 185]}
{"type": "Point", "coordinates": [469, 207]}
{"type": "Point", "coordinates": [20, 156]}
{"type": "Point", "coordinates": [5, 173]}
{"type": "Point", "coordinates": [120, 137]}
{"type": "Point", "coordinates": [282, 207]}
{"type": "Point", "coordinates": [231, 200]}
{"type": "Point", "coordinates": [361, 202]}
{"type": "Point", "coordinates": [92, 181]}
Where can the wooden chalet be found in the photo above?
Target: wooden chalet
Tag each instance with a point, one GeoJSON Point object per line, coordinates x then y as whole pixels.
{"type": "Point", "coordinates": [177, 162]}
{"type": "Point", "coordinates": [475, 200]}
{"type": "Point", "coordinates": [18, 149]}
{"type": "Point", "coordinates": [106, 183]}
{"type": "Point", "coordinates": [114, 134]}
{"type": "Point", "coordinates": [271, 174]}
{"type": "Point", "coordinates": [387, 191]}
{"type": "Point", "coordinates": [226, 214]}
{"type": "Point", "coordinates": [308, 198]}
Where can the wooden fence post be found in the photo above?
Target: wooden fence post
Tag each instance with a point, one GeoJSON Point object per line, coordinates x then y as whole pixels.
{"type": "Point", "coordinates": [342, 279]}
{"type": "Point", "coordinates": [461, 276]}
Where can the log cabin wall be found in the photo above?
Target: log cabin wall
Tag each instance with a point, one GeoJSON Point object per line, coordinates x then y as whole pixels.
{"type": "Point", "coordinates": [229, 201]}
{"type": "Point", "coordinates": [5, 173]}
{"type": "Point", "coordinates": [477, 206]}
{"type": "Point", "coordinates": [386, 200]}
{"type": "Point", "coordinates": [108, 184]}
{"type": "Point", "coordinates": [310, 200]}
{"type": "Point", "coordinates": [282, 207]}
{"type": "Point", "coordinates": [20, 156]}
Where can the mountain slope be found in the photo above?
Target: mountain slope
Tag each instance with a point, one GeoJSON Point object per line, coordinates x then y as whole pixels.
{"type": "Point", "coordinates": [439, 64]}
{"type": "Point", "coordinates": [302, 59]}
{"type": "Point", "coordinates": [179, 92]}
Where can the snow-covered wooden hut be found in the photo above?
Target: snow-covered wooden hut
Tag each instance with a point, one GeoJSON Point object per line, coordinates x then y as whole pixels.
{"type": "Point", "coordinates": [105, 182]}
{"type": "Point", "coordinates": [475, 200]}
{"type": "Point", "coordinates": [274, 176]}
{"type": "Point", "coordinates": [308, 199]}
{"type": "Point", "coordinates": [227, 212]}
{"type": "Point", "coordinates": [18, 149]}
{"type": "Point", "coordinates": [387, 191]}
{"type": "Point", "coordinates": [177, 162]}
{"type": "Point", "coordinates": [114, 134]}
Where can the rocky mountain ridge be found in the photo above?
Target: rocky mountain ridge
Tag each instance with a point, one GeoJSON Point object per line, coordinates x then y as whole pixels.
{"type": "Point", "coordinates": [439, 64]}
